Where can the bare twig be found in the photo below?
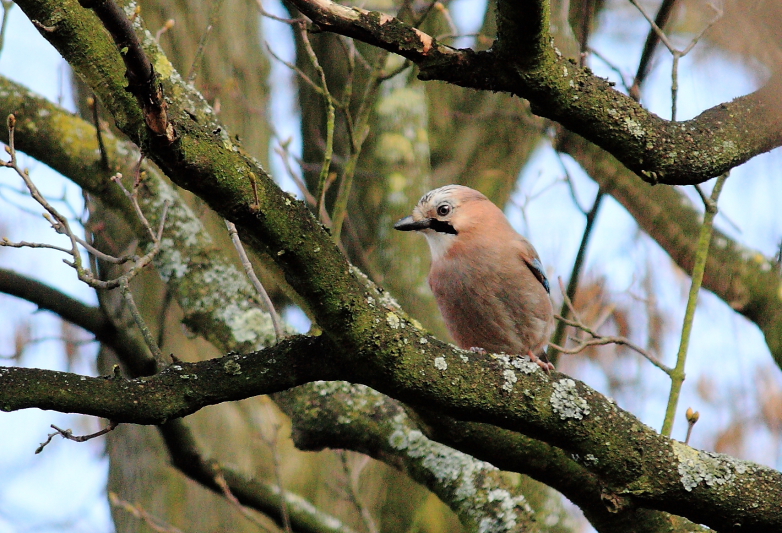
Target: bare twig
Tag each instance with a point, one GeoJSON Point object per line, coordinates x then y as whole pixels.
{"type": "Point", "coordinates": [587, 14]}
{"type": "Point", "coordinates": [571, 187]}
{"type": "Point", "coordinates": [7, 5]}
{"type": "Point", "coordinates": [675, 52]}
{"type": "Point", "coordinates": [650, 45]}
{"type": "Point", "coordinates": [701, 255]}
{"type": "Point", "coordinates": [104, 159]}
{"type": "Point", "coordinates": [213, 12]}
{"type": "Point", "coordinates": [164, 29]}
{"type": "Point", "coordinates": [279, 333]}
{"type": "Point", "coordinates": [68, 434]}
{"type": "Point", "coordinates": [60, 225]}
{"type": "Point", "coordinates": [351, 475]}
{"type": "Point", "coordinates": [137, 318]}
{"type": "Point", "coordinates": [223, 484]}
{"type": "Point", "coordinates": [315, 87]}
{"type": "Point", "coordinates": [266, 14]}
{"type": "Point", "coordinates": [154, 523]}
{"type": "Point", "coordinates": [330, 118]}
{"type": "Point", "coordinates": [613, 67]}
{"type": "Point", "coordinates": [575, 273]}
{"type": "Point", "coordinates": [271, 443]}
{"type": "Point", "coordinates": [596, 338]}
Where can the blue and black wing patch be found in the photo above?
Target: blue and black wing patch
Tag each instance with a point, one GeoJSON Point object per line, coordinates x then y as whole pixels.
{"type": "Point", "coordinates": [537, 269]}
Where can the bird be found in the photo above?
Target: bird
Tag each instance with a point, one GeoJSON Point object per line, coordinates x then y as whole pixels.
{"type": "Point", "coordinates": [487, 279]}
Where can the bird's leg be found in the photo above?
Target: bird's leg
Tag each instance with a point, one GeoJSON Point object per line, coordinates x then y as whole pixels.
{"type": "Point", "coordinates": [542, 361]}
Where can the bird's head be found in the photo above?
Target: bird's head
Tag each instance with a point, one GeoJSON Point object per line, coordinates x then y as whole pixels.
{"type": "Point", "coordinates": [445, 213]}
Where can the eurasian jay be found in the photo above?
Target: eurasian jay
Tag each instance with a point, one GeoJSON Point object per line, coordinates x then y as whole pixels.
{"type": "Point", "coordinates": [487, 279]}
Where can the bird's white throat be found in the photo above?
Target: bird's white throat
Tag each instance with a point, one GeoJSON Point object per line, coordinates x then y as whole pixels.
{"type": "Point", "coordinates": [439, 243]}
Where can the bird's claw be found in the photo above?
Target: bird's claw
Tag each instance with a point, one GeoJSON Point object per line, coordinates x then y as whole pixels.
{"type": "Point", "coordinates": [544, 364]}
{"type": "Point", "coordinates": [477, 349]}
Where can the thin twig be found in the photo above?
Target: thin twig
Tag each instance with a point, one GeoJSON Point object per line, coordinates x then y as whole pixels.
{"type": "Point", "coordinates": [60, 225]}
{"type": "Point", "coordinates": [271, 443]}
{"type": "Point", "coordinates": [587, 13]}
{"type": "Point", "coordinates": [314, 86]}
{"type": "Point", "coordinates": [675, 52]}
{"type": "Point", "coordinates": [223, 484]}
{"type": "Point", "coordinates": [153, 522]}
{"type": "Point", "coordinates": [701, 255]}
{"type": "Point", "coordinates": [213, 12]}
{"type": "Point", "coordinates": [660, 21]}
{"type": "Point", "coordinates": [613, 67]}
{"type": "Point", "coordinates": [352, 491]}
{"type": "Point", "coordinates": [279, 333]}
{"type": "Point", "coordinates": [68, 434]}
{"type": "Point", "coordinates": [104, 158]}
{"type": "Point", "coordinates": [340, 209]}
{"type": "Point", "coordinates": [7, 5]}
{"type": "Point", "coordinates": [575, 273]}
{"type": "Point", "coordinates": [598, 339]}
{"type": "Point", "coordinates": [266, 14]}
{"type": "Point", "coordinates": [330, 118]}
{"type": "Point", "coordinates": [164, 29]}
{"type": "Point", "coordinates": [570, 185]}
{"type": "Point", "coordinates": [145, 332]}
{"type": "Point", "coordinates": [655, 28]}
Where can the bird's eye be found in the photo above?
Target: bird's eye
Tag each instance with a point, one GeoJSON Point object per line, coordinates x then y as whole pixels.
{"type": "Point", "coordinates": [443, 210]}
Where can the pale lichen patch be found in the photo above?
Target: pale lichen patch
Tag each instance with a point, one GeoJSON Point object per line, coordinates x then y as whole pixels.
{"type": "Point", "coordinates": [509, 378]}
{"type": "Point", "coordinates": [169, 261]}
{"type": "Point", "coordinates": [566, 402]}
{"type": "Point", "coordinates": [440, 364]}
{"type": "Point", "coordinates": [393, 320]}
{"type": "Point", "coordinates": [713, 469]}
{"type": "Point", "coordinates": [231, 366]}
{"type": "Point", "coordinates": [248, 325]}
{"type": "Point", "coordinates": [525, 365]}
{"type": "Point", "coordinates": [634, 127]}
{"type": "Point", "coordinates": [496, 510]}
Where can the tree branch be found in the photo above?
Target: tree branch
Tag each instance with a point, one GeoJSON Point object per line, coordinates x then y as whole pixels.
{"type": "Point", "coordinates": [142, 80]}
{"type": "Point", "coordinates": [89, 318]}
{"type": "Point", "coordinates": [524, 63]}
{"type": "Point", "coordinates": [342, 415]}
{"type": "Point", "coordinates": [364, 420]}
{"type": "Point", "coordinates": [630, 458]}
{"type": "Point", "coordinates": [177, 391]}
{"type": "Point", "coordinates": [742, 278]}
{"type": "Point", "coordinates": [258, 495]}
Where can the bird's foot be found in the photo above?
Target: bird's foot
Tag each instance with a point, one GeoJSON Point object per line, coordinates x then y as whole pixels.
{"type": "Point", "coordinates": [476, 349]}
{"type": "Point", "coordinates": [542, 362]}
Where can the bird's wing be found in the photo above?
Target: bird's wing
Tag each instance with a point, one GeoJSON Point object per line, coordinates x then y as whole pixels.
{"type": "Point", "coordinates": [531, 259]}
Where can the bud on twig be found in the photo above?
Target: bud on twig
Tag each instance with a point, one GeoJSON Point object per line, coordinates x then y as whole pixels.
{"type": "Point", "coordinates": [692, 418]}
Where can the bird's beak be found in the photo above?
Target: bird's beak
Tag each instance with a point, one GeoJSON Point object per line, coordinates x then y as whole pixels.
{"type": "Point", "coordinates": [408, 224]}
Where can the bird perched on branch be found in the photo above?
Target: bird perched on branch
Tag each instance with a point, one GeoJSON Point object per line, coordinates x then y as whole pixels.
{"type": "Point", "coordinates": [487, 279]}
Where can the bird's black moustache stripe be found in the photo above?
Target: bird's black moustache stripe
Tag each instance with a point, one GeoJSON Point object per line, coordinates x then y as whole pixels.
{"type": "Point", "coordinates": [441, 226]}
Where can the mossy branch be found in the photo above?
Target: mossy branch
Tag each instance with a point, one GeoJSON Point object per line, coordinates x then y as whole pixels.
{"type": "Point", "coordinates": [630, 458]}
{"type": "Point", "coordinates": [523, 62]}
